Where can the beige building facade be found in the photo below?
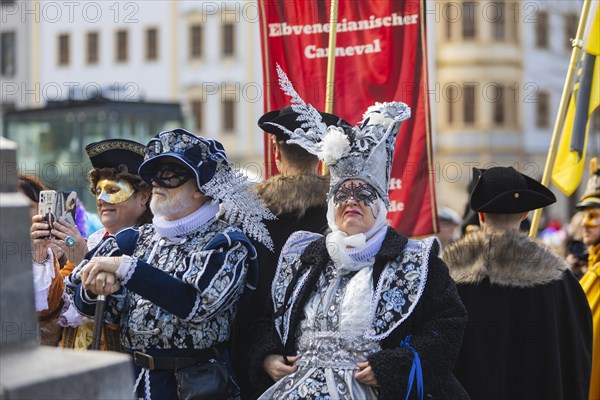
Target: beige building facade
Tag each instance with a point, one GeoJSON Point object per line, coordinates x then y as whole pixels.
{"type": "Point", "coordinates": [498, 68]}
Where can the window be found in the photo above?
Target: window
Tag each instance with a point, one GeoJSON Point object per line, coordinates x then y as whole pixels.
{"type": "Point", "coordinates": [63, 49]}
{"type": "Point", "coordinates": [92, 48]}
{"type": "Point", "coordinates": [228, 40]}
{"type": "Point", "coordinates": [451, 101]}
{"type": "Point", "coordinates": [121, 47]}
{"type": "Point", "coordinates": [228, 115]}
{"type": "Point", "coordinates": [541, 30]}
{"type": "Point", "coordinates": [499, 22]}
{"type": "Point", "coordinates": [571, 24]}
{"type": "Point", "coordinates": [498, 100]}
{"type": "Point", "coordinates": [7, 42]}
{"type": "Point", "coordinates": [469, 104]}
{"type": "Point", "coordinates": [512, 22]}
{"type": "Point", "coordinates": [152, 44]}
{"type": "Point", "coordinates": [196, 41]}
{"type": "Point", "coordinates": [197, 108]}
{"type": "Point", "coordinates": [449, 18]}
{"type": "Point", "coordinates": [512, 105]}
{"type": "Point", "coordinates": [469, 30]}
{"type": "Point", "coordinates": [542, 112]}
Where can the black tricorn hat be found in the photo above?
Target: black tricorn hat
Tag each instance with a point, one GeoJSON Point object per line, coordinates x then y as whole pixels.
{"type": "Point", "coordinates": [288, 118]}
{"type": "Point", "coordinates": [114, 152]}
{"type": "Point", "coordinates": [504, 190]}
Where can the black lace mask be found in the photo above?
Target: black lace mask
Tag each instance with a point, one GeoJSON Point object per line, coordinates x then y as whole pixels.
{"type": "Point", "coordinates": [361, 193]}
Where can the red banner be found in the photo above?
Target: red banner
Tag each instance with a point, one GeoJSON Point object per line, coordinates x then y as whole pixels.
{"type": "Point", "coordinates": [380, 56]}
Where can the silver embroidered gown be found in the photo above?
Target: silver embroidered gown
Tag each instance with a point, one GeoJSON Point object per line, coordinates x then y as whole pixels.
{"type": "Point", "coordinates": [330, 340]}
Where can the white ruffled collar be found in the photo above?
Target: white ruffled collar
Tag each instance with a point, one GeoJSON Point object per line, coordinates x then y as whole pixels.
{"type": "Point", "coordinates": [355, 252]}
{"type": "Point", "coordinates": [187, 224]}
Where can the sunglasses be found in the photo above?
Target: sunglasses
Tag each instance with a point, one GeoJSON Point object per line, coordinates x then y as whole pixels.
{"type": "Point", "coordinates": [171, 176]}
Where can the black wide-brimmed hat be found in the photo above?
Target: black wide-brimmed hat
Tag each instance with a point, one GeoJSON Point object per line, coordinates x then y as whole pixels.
{"type": "Point", "coordinates": [289, 118]}
{"type": "Point", "coordinates": [504, 190]}
{"type": "Point", "coordinates": [114, 152]}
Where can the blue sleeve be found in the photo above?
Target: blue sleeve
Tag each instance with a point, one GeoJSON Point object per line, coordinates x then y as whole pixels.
{"type": "Point", "coordinates": [212, 280]}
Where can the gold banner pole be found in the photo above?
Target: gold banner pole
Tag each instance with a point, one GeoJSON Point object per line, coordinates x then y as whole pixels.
{"type": "Point", "coordinates": [562, 110]}
{"type": "Point", "coordinates": [331, 57]}
{"type": "Point", "coordinates": [329, 86]}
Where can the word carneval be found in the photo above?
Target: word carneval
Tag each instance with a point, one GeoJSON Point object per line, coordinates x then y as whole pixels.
{"type": "Point", "coordinates": [312, 51]}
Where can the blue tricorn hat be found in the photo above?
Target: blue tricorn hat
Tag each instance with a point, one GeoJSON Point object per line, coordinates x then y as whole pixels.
{"type": "Point", "coordinates": [504, 190]}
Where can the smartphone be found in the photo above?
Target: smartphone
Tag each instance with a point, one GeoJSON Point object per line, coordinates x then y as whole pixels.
{"type": "Point", "coordinates": [54, 205]}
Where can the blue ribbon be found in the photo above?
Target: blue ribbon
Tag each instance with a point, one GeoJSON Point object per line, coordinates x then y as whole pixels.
{"type": "Point", "coordinates": [415, 371]}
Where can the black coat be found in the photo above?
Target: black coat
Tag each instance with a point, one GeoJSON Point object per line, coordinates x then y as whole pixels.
{"type": "Point", "coordinates": [529, 334]}
{"type": "Point", "coordinates": [436, 325]}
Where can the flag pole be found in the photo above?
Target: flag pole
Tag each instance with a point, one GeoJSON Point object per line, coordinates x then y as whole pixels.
{"type": "Point", "coordinates": [331, 57]}
{"type": "Point", "coordinates": [577, 43]}
{"type": "Point", "coordinates": [329, 85]}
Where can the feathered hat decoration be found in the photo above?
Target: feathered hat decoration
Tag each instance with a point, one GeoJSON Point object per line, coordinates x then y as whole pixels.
{"type": "Point", "coordinates": [360, 152]}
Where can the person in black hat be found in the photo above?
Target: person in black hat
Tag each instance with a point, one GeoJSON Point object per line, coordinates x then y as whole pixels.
{"type": "Point", "coordinates": [298, 198]}
{"type": "Point", "coordinates": [177, 295]}
{"type": "Point", "coordinates": [589, 205]}
{"type": "Point", "coordinates": [123, 202]}
{"type": "Point", "coordinates": [529, 330]}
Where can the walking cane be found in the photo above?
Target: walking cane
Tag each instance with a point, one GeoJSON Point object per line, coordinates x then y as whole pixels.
{"type": "Point", "coordinates": [100, 307]}
{"type": "Point", "coordinates": [106, 248]}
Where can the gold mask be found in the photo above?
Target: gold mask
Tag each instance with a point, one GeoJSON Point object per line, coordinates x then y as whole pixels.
{"type": "Point", "coordinates": [113, 192]}
{"type": "Point", "coordinates": [591, 218]}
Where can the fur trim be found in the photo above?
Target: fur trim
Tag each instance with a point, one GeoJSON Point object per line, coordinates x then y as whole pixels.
{"type": "Point", "coordinates": [506, 259]}
{"type": "Point", "coordinates": [293, 194]}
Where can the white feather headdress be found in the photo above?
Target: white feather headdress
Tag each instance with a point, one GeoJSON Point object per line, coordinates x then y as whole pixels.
{"type": "Point", "coordinates": [363, 152]}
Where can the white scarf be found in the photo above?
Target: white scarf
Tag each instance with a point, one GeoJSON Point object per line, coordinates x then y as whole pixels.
{"type": "Point", "coordinates": [353, 253]}
{"type": "Point", "coordinates": [186, 225]}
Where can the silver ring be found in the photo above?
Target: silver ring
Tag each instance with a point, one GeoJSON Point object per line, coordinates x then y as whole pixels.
{"type": "Point", "coordinates": [69, 241]}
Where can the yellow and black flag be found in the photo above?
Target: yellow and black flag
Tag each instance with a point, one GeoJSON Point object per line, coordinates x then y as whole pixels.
{"type": "Point", "coordinates": [585, 98]}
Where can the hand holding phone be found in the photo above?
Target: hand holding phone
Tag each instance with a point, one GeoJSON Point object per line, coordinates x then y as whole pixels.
{"type": "Point", "coordinates": [54, 205]}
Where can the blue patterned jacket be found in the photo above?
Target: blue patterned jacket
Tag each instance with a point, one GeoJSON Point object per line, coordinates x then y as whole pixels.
{"type": "Point", "coordinates": [181, 294]}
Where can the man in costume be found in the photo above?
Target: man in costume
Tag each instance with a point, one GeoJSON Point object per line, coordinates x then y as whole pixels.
{"type": "Point", "coordinates": [529, 331]}
{"type": "Point", "coordinates": [176, 297]}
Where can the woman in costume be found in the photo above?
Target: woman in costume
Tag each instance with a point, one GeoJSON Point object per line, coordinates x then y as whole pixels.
{"type": "Point", "coordinates": [359, 308]}
{"type": "Point", "coordinates": [122, 199]}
